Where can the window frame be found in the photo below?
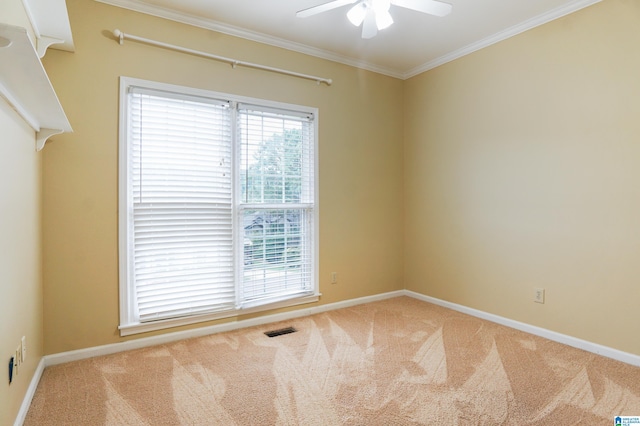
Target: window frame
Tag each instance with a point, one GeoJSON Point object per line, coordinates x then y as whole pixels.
{"type": "Point", "coordinates": [128, 323]}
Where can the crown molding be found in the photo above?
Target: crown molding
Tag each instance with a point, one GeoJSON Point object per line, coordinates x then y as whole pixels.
{"type": "Point", "coordinates": [160, 12]}
{"type": "Point", "coordinates": [503, 35]}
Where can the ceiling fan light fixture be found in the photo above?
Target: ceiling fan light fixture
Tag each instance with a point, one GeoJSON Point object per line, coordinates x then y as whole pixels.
{"type": "Point", "coordinates": [357, 13]}
{"type": "Point", "coordinates": [374, 15]}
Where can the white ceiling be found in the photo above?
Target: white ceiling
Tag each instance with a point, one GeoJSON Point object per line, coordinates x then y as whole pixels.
{"type": "Point", "coordinates": [415, 43]}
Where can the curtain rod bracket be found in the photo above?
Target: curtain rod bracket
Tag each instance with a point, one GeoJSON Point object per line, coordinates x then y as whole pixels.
{"type": "Point", "coordinates": [119, 35]}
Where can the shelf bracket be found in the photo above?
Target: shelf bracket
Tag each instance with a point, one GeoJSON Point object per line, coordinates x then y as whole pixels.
{"type": "Point", "coordinates": [43, 135]}
{"type": "Point", "coordinates": [43, 43]}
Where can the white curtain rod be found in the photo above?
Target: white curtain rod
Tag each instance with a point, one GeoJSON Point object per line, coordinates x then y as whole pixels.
{"type": "Point", "coordinates": [122, 36]}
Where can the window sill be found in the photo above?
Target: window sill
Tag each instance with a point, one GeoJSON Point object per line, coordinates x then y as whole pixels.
{"type": "Point", "coordinates": [131, 329]}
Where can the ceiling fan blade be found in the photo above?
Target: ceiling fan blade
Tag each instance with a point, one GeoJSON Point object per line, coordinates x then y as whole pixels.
{"type": "Point", "coordinates": [357, 13]}
{"type": "Point", "coordinates": [323, 8]}
{"type": "Point", "coordinates": [432, 7]}
{"type": "Point", "coordinates": [369, 27]}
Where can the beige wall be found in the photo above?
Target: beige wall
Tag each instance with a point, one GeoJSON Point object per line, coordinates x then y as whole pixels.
{"type": "Point", "coordinates": [20, 243]}
{"type": "Point", "coordinates": [522, 170]}
{"type": "Point", "coordinates": [519, 170]}
{"type": "Point", "coordinates": [360, 143]}
{"type": "Point", "coordinates": [20, 272]}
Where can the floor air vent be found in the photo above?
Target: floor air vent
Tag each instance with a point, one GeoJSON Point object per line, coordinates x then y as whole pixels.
{"type": "Point", "coordinates": [280, 332]}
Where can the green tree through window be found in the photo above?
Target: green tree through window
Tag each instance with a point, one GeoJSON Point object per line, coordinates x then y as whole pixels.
{"type": "Point", "coordinates": [273, 236]}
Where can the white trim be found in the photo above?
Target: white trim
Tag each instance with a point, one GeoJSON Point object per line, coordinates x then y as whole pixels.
{"type": "Point", "coordinates": [124, 214]}
{"type": "Point", "coordinates": [144, 342]}
{"type": "Point", "coordinates": [210, 24]}
{"type": "Point", "coordinates": [64, 357]}
{"type": "Point", "coordinates": [31, 391]}
{"type": "Point", "coordinates": [144, 327]}
{"type": "Point", "coordinates": [502, 35]}
{"type": "Point", "coordinates": [595, 348]}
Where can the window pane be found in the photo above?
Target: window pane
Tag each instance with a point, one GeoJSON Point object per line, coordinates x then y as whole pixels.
{"type": "Point", "coordinates": [277, 253]}
{"type": "Point", "coordinates": [275, 158]}
{"type": "Point", "coordinates": [276, 169]}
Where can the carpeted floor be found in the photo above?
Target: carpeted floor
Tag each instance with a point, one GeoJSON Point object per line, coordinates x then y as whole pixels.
{"type": "Point", "coordinates": [396, 362]}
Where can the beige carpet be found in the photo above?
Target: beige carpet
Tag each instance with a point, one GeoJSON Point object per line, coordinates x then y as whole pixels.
{"type": "Point", "coordinates": [395, 362]}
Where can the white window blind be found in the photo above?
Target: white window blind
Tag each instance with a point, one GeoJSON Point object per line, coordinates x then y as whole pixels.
{"type": "Point", "coordinates": [218, 210]}
{"type": "Point", "coordinates": [182, 205]}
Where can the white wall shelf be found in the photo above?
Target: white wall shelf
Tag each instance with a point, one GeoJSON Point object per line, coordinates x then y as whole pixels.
{"type": "Point", "coordinates": [24, 84]}
{"type": "Point", "coordinates": [50, 23]}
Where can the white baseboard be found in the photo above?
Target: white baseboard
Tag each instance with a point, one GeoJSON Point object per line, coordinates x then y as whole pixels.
{"type": "Point", "coordinates": [63, 357]}
{"type": "Point", "coordinates": [595, 348]}
{"type": "Point", "coordinates": [79, 354]}
{"type": "Point", "coordinates": [31, 391]}
{"type": "Point", "coordinates": [538, 331]}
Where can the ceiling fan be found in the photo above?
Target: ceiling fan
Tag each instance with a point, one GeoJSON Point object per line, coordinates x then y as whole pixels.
{"type": "Point", "coordinates": [374, 14]}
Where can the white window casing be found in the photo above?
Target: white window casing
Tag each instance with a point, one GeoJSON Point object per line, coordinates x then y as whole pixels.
{"type": "Point", "coordinates": [218, 210]}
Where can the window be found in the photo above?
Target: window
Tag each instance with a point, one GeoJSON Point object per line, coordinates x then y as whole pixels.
{"type": "Point", "coordinates": [218, 212]}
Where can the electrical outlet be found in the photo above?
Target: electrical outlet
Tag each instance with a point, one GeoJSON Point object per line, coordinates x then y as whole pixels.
{"type": "Point", "coordinates": [538, 295]}
{"type": "Point", "coordinates": [334, 278]}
